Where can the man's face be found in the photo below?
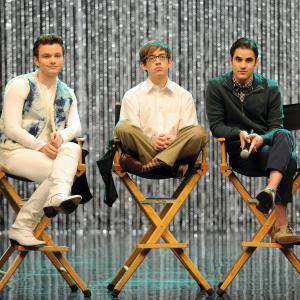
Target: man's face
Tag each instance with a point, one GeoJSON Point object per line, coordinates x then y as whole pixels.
{"type": "Point", "coordinates": [50, 59]}
{"type": "Point", "coordinates": [157, 64]}
{"type": "Point", "coordinates": [243, 64]}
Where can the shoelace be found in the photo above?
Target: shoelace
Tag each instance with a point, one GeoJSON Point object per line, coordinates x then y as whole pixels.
{"type": "Point", "coordinates": [289, 228]}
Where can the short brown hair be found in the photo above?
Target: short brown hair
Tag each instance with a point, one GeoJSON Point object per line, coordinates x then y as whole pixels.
{"type": "Point", "coordinates": [47, 39]}
{"type": "Point", "coordinates": [150, 47]}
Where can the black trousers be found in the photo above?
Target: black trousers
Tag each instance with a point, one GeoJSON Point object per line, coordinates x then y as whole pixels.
{"type": "Point", "coordinates": [279, 155]}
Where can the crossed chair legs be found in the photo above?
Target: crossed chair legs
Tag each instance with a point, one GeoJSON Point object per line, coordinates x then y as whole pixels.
{"type": "Point", "coordinates": [52, 251]}
{"type": "Point", "coordinates": [257, 240]}
{"type": "Point", "coordinates": [159, 229]}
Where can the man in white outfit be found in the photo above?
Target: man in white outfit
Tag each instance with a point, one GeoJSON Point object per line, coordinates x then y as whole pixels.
{"type": "Point", "coordinates": [38, 121]}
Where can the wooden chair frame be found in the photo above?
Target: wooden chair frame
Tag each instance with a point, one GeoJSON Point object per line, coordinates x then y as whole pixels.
{"type": "Point", "coordinates": [52, 251]}
{"type": "Point", "coordinates": [159, 228]}
{"type": "Point", "coordinates": [264, 230]}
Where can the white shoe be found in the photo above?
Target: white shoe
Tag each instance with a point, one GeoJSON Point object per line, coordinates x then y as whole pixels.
{"type": "Point", "coordinates": [61, 203]}
{"type": "Point", "coordinates": [24, 237]}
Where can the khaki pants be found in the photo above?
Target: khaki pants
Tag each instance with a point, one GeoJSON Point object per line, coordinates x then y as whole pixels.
{"type": "Point", "coordinates": [186, 146]}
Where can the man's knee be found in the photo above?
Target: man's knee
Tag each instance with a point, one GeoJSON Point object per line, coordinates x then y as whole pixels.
{"type": "Point", "coordinates": [123, 126]}
{"type": "Point", "coordinates": [71, 148]}
{"type": "Point", "coordinates": [199, 135]}
{"type": "Point", "coordinates": [284, 135]}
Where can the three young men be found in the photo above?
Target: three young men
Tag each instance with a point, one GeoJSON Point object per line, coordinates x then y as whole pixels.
{"type": "Point", "coordinates": [158, 128]}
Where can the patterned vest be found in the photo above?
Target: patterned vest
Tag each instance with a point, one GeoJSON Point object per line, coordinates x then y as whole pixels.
{"type": "Point", "coordinates": [34, 115]}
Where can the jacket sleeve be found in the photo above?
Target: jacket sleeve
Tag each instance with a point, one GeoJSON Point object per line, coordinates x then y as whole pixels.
{"type": "Point", "coordinates": [215, 110]}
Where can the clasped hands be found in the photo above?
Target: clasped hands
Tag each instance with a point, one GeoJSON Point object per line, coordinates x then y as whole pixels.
{"type": "Point", "coordinates": [51, 148]}
{"type": "Point", "coordinates": [162, 141]}
{"type": "Point", "coordinates": [254, 140]}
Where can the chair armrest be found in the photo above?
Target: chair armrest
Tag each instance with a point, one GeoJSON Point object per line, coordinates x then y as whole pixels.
{"type": "Point", "coordinates": [224, 168]}
{"type": "Point", "coordinates": [204, 165]}
{"type": "Point", "coordinates": [81, 166]}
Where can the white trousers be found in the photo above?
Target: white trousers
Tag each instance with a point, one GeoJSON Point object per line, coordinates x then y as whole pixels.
{"type": "Point", "coordinates": [55, 177]}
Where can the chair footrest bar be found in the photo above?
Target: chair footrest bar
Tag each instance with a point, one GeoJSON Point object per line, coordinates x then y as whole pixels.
{"type": "Point", "coordinates": [44, 249]}
{"type": "Point", "coordinates": [265, 245]}
{"type": "Point", "coordinates": [150, 246]}
{"type": "Point", "coordinates": [158, 200]}
{"type": "Point", "coordinates": [2, 272]}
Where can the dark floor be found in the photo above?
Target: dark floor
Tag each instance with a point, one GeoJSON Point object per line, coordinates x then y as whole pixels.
{"type": "Point", "coordinates": [97, 257]}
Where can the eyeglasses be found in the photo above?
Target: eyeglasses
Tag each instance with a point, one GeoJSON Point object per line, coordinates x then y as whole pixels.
{"type": "Point", "coordinates": [161, 57]}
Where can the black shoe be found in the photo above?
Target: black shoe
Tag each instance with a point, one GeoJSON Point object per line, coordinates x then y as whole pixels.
{"type": "Point", "coordinates": [266, 200]}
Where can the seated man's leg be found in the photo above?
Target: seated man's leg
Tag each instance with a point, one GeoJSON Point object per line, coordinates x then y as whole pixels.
{"type": "Point", "coordinates": [278, 163]}
{"type": "Point", "coordinates": [36, 166]}
{"type": "Point", "coordinates": [134, 141]}
{"type": "Point", "coordinates": [61, 178]}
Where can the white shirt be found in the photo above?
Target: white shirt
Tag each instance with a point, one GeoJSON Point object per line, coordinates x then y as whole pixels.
{"type": "Point", "coordinates": [159, 110]}
{"type": "Point", "coordinates": [14, 97]}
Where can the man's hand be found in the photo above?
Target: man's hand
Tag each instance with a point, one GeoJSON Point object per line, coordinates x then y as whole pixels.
{"type": "Point", "coordinates": [170, 139]}
{"type": "Point", "coordinates": [244, 138]}
{"type": "Point", "coordinates": [56, 139]}
{"type": "Point", "coordinates": [159, 141]}
{"type": "Point", "coordinates": [256, 142]}
{"type": "Point", "coordinates": [49, 150]}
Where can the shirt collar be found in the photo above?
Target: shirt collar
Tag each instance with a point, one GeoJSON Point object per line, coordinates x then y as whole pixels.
{"type": "Point", "coordinates": [149, 85]}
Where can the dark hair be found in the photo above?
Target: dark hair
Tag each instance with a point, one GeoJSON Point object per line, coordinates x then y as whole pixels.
{"type": "Point", "coordinates": [246, 44]}
{"type": "Point", "coordinates": [47, 39]}
{"type": "Point", "coordinates": [150, 47]}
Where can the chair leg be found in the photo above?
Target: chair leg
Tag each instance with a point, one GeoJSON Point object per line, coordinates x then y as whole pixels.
{"type": "Point", "coordinates": [130, 260]}
{"type": "Point", "coordinates": [7, 254]}
{"type": "Point", "coordinates": [235, 269]}
{"type": "Point", "coordinates": [133, 267]}
{"type": "Point", "coordinates": [65, 263]}
{"type": "Point", "coordinates": [293, 259]}
{"type": "Point", "coordinates": [60, 261]}
{"type": "Point", "coordinates": [192, 269]}
{"type": "Point", "coordinates": [59, 266]}
{"type": "Point", "coordinates": [12, 268]}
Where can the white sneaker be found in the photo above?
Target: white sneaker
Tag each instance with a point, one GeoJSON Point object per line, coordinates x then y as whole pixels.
{"type": "Point", "coordinates": [24, 237]}
{"type": "Point", "coordinates": [61, 203]}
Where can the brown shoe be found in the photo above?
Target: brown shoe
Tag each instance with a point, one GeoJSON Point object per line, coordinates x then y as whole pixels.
{"type": "Point", "coordinates": [153, 164]}
{"type": "Point", "coordinates": [284, 235]}
{"type": "Point", "coordinates": [130, 164]}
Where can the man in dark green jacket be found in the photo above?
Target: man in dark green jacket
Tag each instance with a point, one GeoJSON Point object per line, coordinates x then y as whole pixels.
{"type": "Point", "coordinates": [246, 109]}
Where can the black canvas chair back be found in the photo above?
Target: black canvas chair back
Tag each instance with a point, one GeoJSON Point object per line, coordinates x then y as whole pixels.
{"type": "Point", "coordinates": [291, 119]}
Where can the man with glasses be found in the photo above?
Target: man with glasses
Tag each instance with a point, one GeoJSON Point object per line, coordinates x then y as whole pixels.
{"type": "Point", "coordinates": [158, 123]}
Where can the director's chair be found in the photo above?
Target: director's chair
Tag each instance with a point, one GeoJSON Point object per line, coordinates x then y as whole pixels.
{"type": "Point", "coordinates": [291, 122]}
{"type": "Point", "coordinates": [52, 251]}
{"type": "Point", "coordinates": [160, 221]}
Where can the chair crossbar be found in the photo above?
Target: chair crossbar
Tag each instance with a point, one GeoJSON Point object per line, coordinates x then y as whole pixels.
{"type": "Point", "coordinates": [168, 245]}
{"type": "Point", "coordinates": [44, 249]}
{"type": "Point", "coordinates": [158, 200]}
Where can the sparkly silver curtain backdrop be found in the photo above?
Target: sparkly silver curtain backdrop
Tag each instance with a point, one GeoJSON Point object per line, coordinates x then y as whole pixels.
{"type": "Point", "coordinates": [102, 41]}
